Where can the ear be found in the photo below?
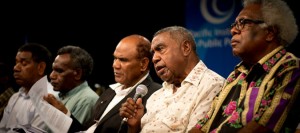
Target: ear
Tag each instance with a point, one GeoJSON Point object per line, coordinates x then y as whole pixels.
{"type": "Point", "coordinates": [272, 32]}
{"type": "Point", "coordinates": [144, 64]}
{"type": "Point", "coordinates": [186, 47]}
{"type": "Point", "coordinates": [41, 68]}
{"type": "Point", "coordinates": [77, 74]}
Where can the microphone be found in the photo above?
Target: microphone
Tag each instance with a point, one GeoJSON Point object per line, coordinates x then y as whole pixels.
{"type": "Point", "coordinates": [140, 91]}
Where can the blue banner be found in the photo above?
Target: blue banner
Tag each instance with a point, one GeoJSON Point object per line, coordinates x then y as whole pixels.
{"type": "Point", "coordinates": [209, 21]}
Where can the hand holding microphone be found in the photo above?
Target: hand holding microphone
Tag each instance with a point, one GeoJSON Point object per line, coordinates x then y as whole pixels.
{"type": "Point", "coordinates": [141, 91]}
{"type": "Point", "coordinates": [128, 108]}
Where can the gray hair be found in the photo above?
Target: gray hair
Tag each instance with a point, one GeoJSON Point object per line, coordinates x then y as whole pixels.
{"type": "Point", "coordinates": [179, 34]}
{"type": "Point", "coordinates": [277, 13]}
{"type": "Point", "coordinates": [80, 59]}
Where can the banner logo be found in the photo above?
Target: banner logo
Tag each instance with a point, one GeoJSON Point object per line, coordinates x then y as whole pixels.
{"type": "Point", "coordinates": [216, 16]}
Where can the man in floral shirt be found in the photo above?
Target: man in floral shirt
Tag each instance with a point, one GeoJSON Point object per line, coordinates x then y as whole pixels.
{"type": "Point", "coordinates": [187, 91]}
{"type": "Point", "coordinates": [261, 90]}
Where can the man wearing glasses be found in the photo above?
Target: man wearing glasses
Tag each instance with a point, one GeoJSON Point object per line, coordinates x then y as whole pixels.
{"type": "Point", "coordinates": [259, 94]}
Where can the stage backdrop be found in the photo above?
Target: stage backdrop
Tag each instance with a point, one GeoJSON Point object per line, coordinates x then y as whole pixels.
{"type": "Point", "coordinates": [209, 20]}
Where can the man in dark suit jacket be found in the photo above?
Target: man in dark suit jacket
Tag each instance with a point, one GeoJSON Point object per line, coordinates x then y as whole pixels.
{"type": "Point", "coordinates": [132, 59]}
{"type": "Point", "coordinates": [111, 122]}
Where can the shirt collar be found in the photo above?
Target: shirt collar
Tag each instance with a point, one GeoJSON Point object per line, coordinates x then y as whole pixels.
{"type": "Point", "coordinates": [118, 88]}
{"type": "Point", "coordinates": [263, 65]}
{"type": "Point", "coordinates": [73, 91]}
{"type": "Point", "coordinates": [267, 62]}
{"type": "Point", "coordinates": [22, 93]}
{"type": "Point", "coordinates": [194, 77]}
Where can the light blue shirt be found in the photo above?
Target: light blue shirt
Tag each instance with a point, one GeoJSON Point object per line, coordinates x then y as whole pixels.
{"type": "Point", "coordinates": [80, 101]}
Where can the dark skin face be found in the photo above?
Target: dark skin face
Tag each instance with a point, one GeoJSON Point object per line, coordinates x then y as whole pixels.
{"type": "Point", "coordinates": [64, 77]}
{"type": "Point", "coordinates": [26, 71]}
{"type": "Point", "coordinates": [253, 41]}
{"type": "Point", "coordinates": [168, 59]}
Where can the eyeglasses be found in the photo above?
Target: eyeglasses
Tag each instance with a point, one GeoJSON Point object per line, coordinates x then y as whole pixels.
{"type": "Point", "coordinates": [240, 24]}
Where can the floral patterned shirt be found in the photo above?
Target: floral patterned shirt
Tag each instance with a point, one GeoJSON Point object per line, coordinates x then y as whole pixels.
{"type": "Point", "coordinates": [263, 93]}
{"type": "Point", "coordinates": [169, 112]}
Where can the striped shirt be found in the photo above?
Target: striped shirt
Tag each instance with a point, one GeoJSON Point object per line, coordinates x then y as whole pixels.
{"type": "Point", "coordinates": [263, 93]}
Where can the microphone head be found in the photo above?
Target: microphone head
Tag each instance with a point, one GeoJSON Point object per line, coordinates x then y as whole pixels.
{"type": "Point", "coordinates": [141, 90]}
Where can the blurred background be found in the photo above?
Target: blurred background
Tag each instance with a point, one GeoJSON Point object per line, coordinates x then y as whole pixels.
{"type": "Point", "coordinates": [98, 26]}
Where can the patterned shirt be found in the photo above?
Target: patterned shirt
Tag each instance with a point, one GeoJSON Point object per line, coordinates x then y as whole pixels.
{"type": "Point", "coordinates": [4, 97]}
{"type": "Point", "coordinates": [178, 112]}
{"type": "Point", "coordinates": [263, 93]}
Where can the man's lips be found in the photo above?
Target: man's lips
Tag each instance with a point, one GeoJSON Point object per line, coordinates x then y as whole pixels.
{"type": "Point", "coordinates": [117, 73]}
{"type": "Point", "coordinates": [234, 42]}
{"type": "Point", "coordinates": [159, 69]}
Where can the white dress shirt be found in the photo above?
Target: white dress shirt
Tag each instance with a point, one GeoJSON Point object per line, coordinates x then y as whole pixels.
{"type": "Point", "coordinates": [120, 94]}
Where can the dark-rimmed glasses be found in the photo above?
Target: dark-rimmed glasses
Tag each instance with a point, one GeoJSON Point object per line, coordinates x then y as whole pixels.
{"type": "Point", "coordinates": [240, 24]}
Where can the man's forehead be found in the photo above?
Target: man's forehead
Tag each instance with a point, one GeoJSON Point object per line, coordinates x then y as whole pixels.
{"type": "Point", "coordinates": [24, 55]}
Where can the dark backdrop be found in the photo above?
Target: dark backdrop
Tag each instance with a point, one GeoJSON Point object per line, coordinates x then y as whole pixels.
{"type": "Point", "coordinates": [94, 26]}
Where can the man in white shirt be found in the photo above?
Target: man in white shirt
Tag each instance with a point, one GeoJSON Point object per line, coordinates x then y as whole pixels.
{"type": "Point", "coordinates": [131, 65]}
{"type": "Point", "coordinates": [33, 62]}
